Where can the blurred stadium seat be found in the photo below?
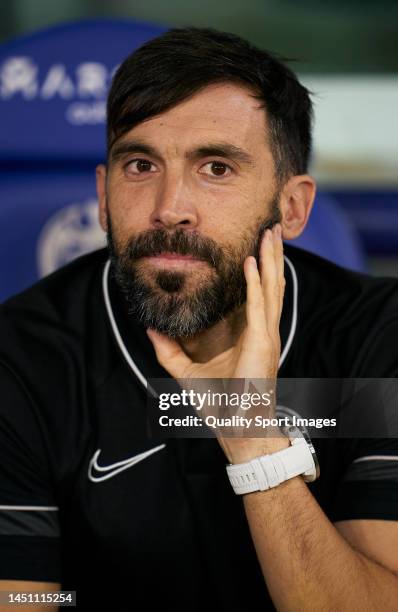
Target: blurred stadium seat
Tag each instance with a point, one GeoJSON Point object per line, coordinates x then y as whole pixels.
{"type": "Point", "coordinates": [331, 234]}
{"type": "Point", "coordinates": [53, 87]}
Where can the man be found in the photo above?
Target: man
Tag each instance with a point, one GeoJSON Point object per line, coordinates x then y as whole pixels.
{"type": "Point", "coordinates": [208, 147]}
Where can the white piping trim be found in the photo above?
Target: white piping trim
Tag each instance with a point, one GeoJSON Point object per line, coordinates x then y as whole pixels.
{"type": "Point", "coordinates": [127, 355]}
{"type": "Point", "coordinates": [118, 337]}
{"type": "Point", "coordinates": [293, 325]}
{"type": "Point", "coordinates": [38, 508]}
{"type": "Point", "coordinates": [377, 458]}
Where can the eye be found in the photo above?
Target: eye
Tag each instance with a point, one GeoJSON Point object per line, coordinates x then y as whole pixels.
{"type": "Point", "coordinates": [216, 168]}
{"type": "Point", "coordinates": [140, 166]}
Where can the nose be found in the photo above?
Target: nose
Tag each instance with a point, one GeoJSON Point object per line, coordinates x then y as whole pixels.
{"type": "Point", "coordinates": [174, 205]}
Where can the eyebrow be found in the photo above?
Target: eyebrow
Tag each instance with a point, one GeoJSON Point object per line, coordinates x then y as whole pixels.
{"type": "Point", "coordinates": [216, 149]}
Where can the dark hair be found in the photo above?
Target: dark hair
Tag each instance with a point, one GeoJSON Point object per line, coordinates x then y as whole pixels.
{"type": "Point", "coordinates": [172, 67]}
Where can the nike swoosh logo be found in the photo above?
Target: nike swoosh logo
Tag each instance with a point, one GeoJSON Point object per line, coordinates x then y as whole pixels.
{"type": "Point", "coordinates": [108, 471]}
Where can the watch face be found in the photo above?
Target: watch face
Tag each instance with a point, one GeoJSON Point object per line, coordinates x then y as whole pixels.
{"type": "Point", "coordinates": [293, 431]}
{"type": "Point", "coordinates": [291, 415]}
{"type": "Point", "coordinates": [316, 463]}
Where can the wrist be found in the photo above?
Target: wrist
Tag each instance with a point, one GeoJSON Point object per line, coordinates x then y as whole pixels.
{"type": "Point", "coordinates": [245, 449]}
{"type": "Point", "coordinates": [269, 469]}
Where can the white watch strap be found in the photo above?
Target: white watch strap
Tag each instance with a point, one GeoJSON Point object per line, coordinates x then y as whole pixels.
{"type": "Point", "coordinates": [268, 471]}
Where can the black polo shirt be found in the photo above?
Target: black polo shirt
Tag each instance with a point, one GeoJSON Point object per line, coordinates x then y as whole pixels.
{"type": "Point", "coordinates": [90, 499]}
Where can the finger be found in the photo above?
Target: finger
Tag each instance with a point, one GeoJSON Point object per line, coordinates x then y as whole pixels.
{"type": "Point", "coordinates": [280, 265]}
{"type": "Point", "coordinates": [169, 354]}
{"type": "Point", "coordinates": [255, 300]}
{"type": "Point", "coordinates": [278, 250]}
{"type": "Point", "coordinates": [269, 281]}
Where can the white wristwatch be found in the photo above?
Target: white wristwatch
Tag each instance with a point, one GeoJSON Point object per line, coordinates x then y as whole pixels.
{"type": "Point", "coordinates": [267, 471]}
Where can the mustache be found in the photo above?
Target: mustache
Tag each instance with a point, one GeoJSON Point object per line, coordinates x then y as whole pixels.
{"type": "Point", "coordinates": [180, 242]}
{"type": "Point", "coordinates": [183, 242]}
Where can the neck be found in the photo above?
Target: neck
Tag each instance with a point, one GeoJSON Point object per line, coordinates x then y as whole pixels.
{"type": "Point", "coordinates": [220, 337]}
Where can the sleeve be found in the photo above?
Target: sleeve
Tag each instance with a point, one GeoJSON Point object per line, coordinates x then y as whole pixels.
{"type": "Point", "coordinates": [29, 524]}
{"type": "Point", "coordinates": [369, 486]}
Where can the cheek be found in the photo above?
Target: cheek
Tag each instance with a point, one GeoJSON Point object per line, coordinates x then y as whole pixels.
{"type": "Point", "coordinates": [225, 207]}
{"type": "Point", "coordinates": [129, 207]}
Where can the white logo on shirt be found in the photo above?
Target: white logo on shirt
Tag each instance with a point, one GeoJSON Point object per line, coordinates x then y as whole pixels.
{"type": "Point", "coordinates": [114, 468]}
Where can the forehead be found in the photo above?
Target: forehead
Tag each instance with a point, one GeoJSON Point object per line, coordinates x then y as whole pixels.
{"type": "Point", "coordinates": [222, 111]}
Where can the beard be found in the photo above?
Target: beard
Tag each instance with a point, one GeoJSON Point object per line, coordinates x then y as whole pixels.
{"type": "Point", "coordinates": [165, 300]}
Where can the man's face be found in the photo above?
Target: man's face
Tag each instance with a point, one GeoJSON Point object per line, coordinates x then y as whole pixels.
{"type": "Point", "coordinates": [188, 196]}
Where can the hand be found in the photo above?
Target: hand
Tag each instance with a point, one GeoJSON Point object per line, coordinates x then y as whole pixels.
{"type": "Point", "coordinates": [256, 352]}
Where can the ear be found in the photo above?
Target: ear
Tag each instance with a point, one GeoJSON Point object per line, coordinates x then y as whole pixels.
{"type": "Point", "coordinates": [296, 202]}
{"type": "Point", "coordinates": [100, 173]}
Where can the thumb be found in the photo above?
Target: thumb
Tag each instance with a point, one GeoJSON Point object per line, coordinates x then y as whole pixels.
{"type": "Point", "coordinates": [169, 354]}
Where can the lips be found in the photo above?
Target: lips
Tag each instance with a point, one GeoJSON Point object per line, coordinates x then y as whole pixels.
{"type": "Point", "coordinates": [173, 259]}
{"type": "Point", "coordinates": [174, 256]}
